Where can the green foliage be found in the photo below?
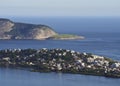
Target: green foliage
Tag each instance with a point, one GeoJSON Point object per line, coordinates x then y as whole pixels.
{"type": "Point", "coordinates": [64, 36]}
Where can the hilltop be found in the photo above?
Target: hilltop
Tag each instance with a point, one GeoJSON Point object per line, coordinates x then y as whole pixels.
{"type": "Point", "coordinates": [16, 30]}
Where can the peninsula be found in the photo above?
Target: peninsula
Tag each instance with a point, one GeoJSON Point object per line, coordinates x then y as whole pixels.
{"type": "Point", "coordinates": [60, 60]}
{"type": "Point", "coordinates": [15, 30]}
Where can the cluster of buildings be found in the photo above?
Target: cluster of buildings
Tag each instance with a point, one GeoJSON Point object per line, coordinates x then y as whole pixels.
{"type": "Point", "coordinates": [60, 60]}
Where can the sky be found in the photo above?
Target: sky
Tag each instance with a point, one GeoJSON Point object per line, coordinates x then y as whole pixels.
{"type": "Point", "coordinates": [60, 8]}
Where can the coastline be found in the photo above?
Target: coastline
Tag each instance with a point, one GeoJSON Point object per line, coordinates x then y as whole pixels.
{"type": "Point", "coordinates": [60, 60]}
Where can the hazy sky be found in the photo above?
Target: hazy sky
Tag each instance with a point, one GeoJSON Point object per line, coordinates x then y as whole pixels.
{"type": "Point", "coordinates": [59, 7]}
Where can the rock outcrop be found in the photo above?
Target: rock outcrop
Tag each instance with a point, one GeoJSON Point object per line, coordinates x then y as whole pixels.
{"type": "Point", "coordinates": [13, 30]}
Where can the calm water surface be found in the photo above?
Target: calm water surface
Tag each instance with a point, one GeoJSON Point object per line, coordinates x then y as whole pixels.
{"type": "Point", "coordinates": [106, 44]}
{"type": "Point", "coordinates": [14, 77]}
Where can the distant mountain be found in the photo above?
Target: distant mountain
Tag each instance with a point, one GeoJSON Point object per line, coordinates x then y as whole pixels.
{"type": "Point", "coordinates": [14, 30]}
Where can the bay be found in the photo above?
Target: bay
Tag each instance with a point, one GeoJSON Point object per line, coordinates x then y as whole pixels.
{"type": "Point", "coordinates": [105, 44]}
{"type": "Point", "coordinates": [101, 38]}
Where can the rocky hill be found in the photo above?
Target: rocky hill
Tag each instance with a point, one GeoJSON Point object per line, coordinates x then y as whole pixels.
{"type": "Point", "coordinates": [13, 30]}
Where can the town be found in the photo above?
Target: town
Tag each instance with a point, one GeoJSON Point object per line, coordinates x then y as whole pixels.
{"type": "Point", "coordinates": [60, 60]}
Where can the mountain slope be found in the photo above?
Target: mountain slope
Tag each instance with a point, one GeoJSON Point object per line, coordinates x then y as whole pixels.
{"type": "Point", "coordinates": [12, 30]}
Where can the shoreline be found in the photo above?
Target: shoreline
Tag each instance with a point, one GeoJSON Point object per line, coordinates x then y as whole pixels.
{"type": "Point", "coordinates": [81, 73]}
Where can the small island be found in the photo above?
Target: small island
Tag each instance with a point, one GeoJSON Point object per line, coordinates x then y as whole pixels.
{"type": "Point", "coordinates": [16, 30]}
{"type": "Point", "coordinates": [60, 60]}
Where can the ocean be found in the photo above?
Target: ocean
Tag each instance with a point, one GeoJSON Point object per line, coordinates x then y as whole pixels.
{"type": "Point", "coordinates": [101, 38]}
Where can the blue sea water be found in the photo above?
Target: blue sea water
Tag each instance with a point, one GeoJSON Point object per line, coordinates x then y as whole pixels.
{"type": "Point", "coordinates": [100, 42]}
{"type": "Point", "coordinates": [105, 44]}
{"type": "Point", "coordinates": [14, 77]}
